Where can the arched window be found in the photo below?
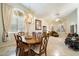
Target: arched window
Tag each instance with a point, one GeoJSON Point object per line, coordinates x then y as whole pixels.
{"type": "Point", "coordinates": [17, 23]}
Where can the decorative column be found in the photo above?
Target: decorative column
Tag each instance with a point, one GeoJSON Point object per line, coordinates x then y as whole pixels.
{"type": "Point", "coordinates": [77, 20]}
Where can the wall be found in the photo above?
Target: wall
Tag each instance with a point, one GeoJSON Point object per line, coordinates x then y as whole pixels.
{"type": "Point", "coordinates": [70, 19]}
{"type": "Point", "coordinates": [32, 25]}
{"type": "Point", "coordinates": [1, 28]}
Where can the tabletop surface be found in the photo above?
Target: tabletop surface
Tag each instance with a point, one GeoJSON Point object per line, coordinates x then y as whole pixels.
{"type": "Point", "coordinates": [30, 40]}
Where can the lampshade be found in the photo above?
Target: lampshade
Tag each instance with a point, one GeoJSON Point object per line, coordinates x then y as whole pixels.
{"type": "Point", "coordinates": [29, 18]}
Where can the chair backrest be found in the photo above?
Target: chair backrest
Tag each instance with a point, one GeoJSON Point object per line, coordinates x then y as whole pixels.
{"type": "Point", "coordinates": [21, 45]}
{"type": "Point", "coordinates": [21, 33]}
{"type": "Point", "coordinates": [34, 34]}
{"type": "Point", "coordinates": [18, 39]}
{"type": "Point", "coordinates": [44, 42]}
{"type": "Point", "coordinates": [15, 36]}
{"type": "Point", "coordinates": [39, 35]}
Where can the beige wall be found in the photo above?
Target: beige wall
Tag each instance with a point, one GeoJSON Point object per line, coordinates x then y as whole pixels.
{"type": "Point", "coordinates": [71, 19]}
{"type": "Point", "coordinates": [32, 25]}
{"type": "Point", "coordinates": [68, 20]}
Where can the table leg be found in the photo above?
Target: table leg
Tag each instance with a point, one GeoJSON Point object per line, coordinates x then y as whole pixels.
{"type": "Point", "coordinates": [29, 52]}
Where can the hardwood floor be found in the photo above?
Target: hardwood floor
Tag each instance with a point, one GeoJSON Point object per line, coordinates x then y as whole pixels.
{"type": "Point", "coordinates": [56, 47]}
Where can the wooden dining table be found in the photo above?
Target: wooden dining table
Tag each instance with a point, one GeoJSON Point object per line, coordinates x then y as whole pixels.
{"type": "Point", "coordinates": [30, 41]}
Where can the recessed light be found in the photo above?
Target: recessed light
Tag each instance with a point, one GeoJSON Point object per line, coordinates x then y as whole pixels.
{"type": "Point", "coordinates": [57, 19]}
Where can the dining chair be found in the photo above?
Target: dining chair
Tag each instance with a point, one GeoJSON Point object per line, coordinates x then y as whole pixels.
{"type": "Point", "coordinates": [17, 43]}
{"type": "Point", "coordinates": [39, 34]}
{"type": "Point", "coordinates": [22, 48]}
{"type": "Point", "coordinates": [34, 34]}
{"type": "Point", "coordinates": [43, 46]}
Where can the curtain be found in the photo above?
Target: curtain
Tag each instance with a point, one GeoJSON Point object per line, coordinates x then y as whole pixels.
{"type": "Point", "coordinates": [7, 14]}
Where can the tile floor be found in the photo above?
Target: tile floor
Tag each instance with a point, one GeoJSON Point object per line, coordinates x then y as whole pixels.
{"type": "Point", "coordinates": [56, 47]}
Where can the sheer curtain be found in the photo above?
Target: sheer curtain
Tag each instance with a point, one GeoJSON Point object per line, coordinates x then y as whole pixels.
{"type": "Point", "coordinates": [7, 14]}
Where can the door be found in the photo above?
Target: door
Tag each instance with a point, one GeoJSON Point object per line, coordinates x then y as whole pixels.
{"type": "Point", "coordinates": [72, 28]}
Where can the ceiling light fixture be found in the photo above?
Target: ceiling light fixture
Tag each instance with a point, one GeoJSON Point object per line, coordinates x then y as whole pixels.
{"type": "Point", "coordinates": [57, 17]}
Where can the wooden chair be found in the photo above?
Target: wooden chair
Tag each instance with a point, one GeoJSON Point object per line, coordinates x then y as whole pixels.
{"type": "Point", "coordinates": [21, 48]}
{"type": "Point", "coordinates": [43, 46]}
{"type": "Point", "coordinates": [34, 34]}
{"type": "Point", "coordinates": [39, 35]}
{"type": "Point", "coordinates": [17, 43]}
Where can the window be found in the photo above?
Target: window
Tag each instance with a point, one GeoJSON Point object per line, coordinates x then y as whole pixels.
{"type": "Point", "coordinates": [17, 23]}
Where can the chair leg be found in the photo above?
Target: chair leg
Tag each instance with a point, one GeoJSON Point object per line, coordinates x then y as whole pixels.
{"type": "Point", "coordinates": [45, 52]}
{"type": "Point", "coordinates": [16, 51]}
{"type": "Point", "coordinates": [20, 52]}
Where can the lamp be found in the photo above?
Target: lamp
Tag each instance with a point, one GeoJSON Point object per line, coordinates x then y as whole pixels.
{"type": "Point", "coordinates": [28, 22]}
{"type": "Point", "coordinates": [29, 19]}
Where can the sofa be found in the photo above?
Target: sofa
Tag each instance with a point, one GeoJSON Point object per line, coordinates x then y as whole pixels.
{"type": "Point", "coordinates": [74, 44]}
{"type": "Point", "coordinates": [53, 33]}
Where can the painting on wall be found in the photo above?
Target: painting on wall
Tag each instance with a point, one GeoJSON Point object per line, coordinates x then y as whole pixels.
{"type": "Point", "coordinates": [76, 27]}
{"type": "Point", "coordinates": [61, 28]}
{"type": "Point", "coordinates": [72, 28]}
{"type": "Point", "coordinates": [44, 28]}
{"type": "Point", "coordinates": [38, 24]}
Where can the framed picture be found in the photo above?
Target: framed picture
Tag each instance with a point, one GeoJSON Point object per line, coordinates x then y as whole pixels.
{"type": "Point", "coordinates": [38, 24]}
{"type": "Point", "coordinates": [44, 29]}
{"type": "Point", "coordinates": [72, 28]}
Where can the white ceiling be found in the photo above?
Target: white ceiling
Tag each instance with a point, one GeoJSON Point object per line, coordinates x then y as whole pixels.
{"type": "Point", "coordinates": [42, 10]}
{"type": "Point", "coordinates": [49, 10]}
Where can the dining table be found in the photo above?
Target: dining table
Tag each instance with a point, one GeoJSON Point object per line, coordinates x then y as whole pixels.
{"type": "Point", "coordinates": [30, 41]}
